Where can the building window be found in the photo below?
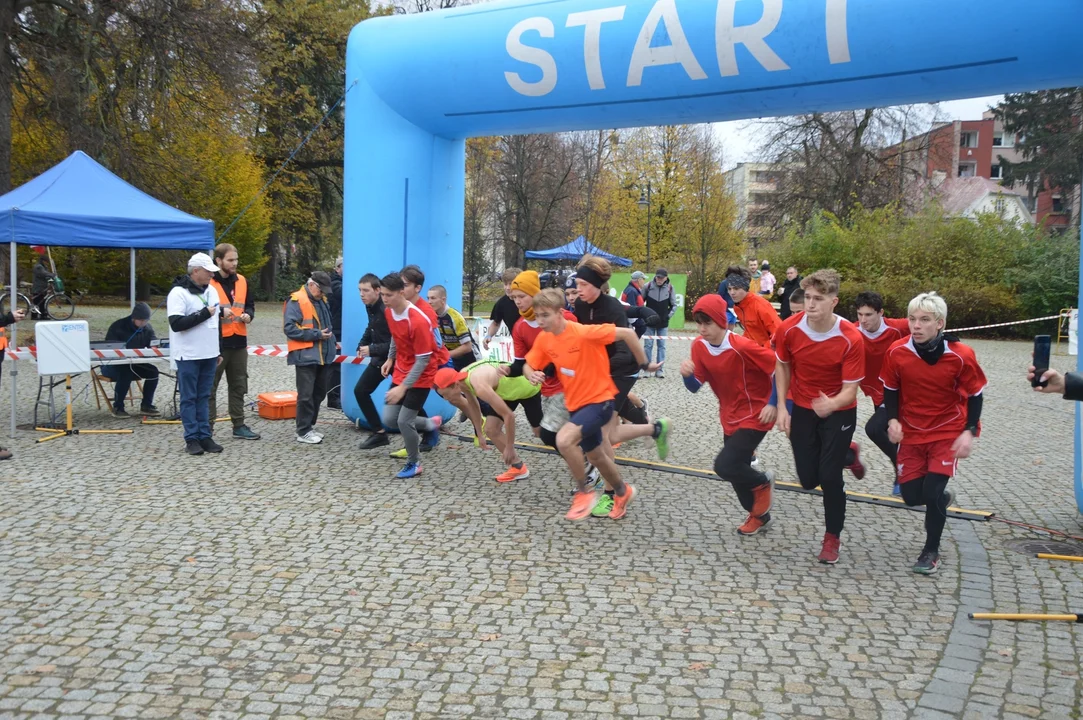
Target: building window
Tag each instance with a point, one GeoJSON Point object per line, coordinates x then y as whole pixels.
{"type": "Point", "coordinates": [1003, 139]}
{"type": "Point", "coordinates": [996, 172]}
{"type": "Point", "coordinates": [764, 176]}
{"type": "Point", "coordinates": [761, 198]}
{"type": "Point", "coordinates": [1000, 204]}
{"type": "Point", "coordinates": [967, 170]}
{"type": "Point", "coordinates": [968, 140]}
{"type": "Point", "coordinates": [1058, 204]}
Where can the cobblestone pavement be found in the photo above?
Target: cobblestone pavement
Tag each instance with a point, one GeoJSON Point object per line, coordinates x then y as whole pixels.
{"type": "Point", "coordinates": [284, 580]}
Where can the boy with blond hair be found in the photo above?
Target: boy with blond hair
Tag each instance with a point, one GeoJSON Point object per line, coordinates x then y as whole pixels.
{"type": "Point", "coordinates": [933, 395]}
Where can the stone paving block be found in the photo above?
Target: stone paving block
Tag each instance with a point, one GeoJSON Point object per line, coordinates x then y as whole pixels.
{"type": "Point", "coordinates": [164, 587]}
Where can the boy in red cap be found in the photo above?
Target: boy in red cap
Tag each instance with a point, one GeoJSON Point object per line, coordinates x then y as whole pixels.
{"type": "Point", "coordinates": [483, 390]}
{"type": "Point", "coordinates": [578, 353]}
{"type": "Point", "coordinates": [740, 372]}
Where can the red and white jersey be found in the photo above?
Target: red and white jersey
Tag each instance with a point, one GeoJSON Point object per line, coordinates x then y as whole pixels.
{"type": "Point", "coordinates": [523, 336]}
{"type": "Point", "coordinates": [820, 362]}
{"type": "Point", "coordinates": [739, 372]}
{"type": "Point", "coordinates": [441, 355]}
{"type": "Point", "coordinates": [413, 335]}
{"type": "Point", "coordinates": [877, 343]}
{"type": "Point", "coordinates": [932, 398]}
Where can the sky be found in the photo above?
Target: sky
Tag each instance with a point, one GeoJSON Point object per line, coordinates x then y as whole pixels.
{"type": "Point", "coordinates": [741, 139]}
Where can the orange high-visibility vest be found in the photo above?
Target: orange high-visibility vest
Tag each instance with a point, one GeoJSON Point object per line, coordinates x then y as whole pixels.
{"type": "Point", "coordinates": [234, 325]}
{"type": "Point", "coordinates": [3, 340]}
{"type": "Point", "coordinates": [309, 319]}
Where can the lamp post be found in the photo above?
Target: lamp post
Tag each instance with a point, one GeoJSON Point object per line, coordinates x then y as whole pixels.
{"type": "Point", "coordinates": [645, 201]}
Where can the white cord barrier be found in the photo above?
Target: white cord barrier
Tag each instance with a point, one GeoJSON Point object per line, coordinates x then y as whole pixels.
{"type": "Point", "coordinates": [499, 347]}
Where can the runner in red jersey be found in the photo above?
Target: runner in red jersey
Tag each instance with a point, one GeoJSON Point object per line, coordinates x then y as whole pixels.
{"type": "Point", "coordinates": [739, 371]}
{"type": "Point", "coordinates": [879, 334]}
{"type": "Point", "coordinates": [413, 280]}
{"type": "Point", "coordinates": [410, 364]}
{"type": "Point", "coordinates": [933, 396]}
{"type": "Point", "coordinates": [822, 360]}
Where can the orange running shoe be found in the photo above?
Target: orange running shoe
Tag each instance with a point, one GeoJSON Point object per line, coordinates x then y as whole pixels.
{"type": "Point", "coordinates": [621, 502]}
{"type": "Point", "coordinates": [512, 474]}
{"type": "Point", "coordinates": [764, 496]}
{"type": "Point", "coordinates": [754, 524]}
{"type": "Point", "coordinates": [582, 504]}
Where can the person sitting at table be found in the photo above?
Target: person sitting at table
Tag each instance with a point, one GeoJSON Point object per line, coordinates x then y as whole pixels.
{"type": "Point", "coordinates": [135, 332]}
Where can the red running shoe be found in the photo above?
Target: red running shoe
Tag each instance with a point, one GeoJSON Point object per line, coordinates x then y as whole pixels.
{"type": "Point", "coordinates": [857, 467]}
{"type": "Point", "coordinates": [829, 554]}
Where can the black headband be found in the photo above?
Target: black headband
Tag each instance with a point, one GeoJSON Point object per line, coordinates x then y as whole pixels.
{"type": "Point", "coordinates": [587, 273]}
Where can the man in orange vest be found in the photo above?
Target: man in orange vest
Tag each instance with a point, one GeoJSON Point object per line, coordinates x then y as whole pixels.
{"type": "Point", "coordinates": [5, 320]}
{"type": "Point", "coordinates": [306, 320]}
{"type": "Point", "coordinates": [232, 289]}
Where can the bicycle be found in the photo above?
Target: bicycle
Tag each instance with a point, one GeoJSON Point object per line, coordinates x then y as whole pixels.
{"type": "Point", "coordinates": [57, 304]}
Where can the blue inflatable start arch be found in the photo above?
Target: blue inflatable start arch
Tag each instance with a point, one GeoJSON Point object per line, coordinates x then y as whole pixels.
{"type": "Point", "coordinates": [420, 84]}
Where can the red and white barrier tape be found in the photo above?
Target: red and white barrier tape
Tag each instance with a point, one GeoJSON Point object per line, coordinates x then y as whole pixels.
{"type": "Point", "coordinates": [30, 353]}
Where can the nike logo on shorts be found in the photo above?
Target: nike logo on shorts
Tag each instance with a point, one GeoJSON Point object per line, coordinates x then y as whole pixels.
{"type": "Point", "coordinates": [947, 462]}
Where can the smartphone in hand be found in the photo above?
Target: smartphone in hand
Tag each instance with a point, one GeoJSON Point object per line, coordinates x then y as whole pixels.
{"type": "Point", "coordinates": [1042, 346]}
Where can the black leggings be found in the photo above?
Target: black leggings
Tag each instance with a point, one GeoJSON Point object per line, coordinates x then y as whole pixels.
{"type": "Point", "coordinates": [548, 437]}
{"type": "Point", "coordinates": [820, 446]}
{"type": "Point", "coordinates": [733, 464]}
{"type": "Point", "coordinates": [625, 409]}
{"type": "Point", "coordinates": [876, 430]}
{"type": "Point", "coordinates": [929, 491]}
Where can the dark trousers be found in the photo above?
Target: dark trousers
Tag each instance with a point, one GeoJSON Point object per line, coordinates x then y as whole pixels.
{"type": "Point", "coordinates": [929, 491]}
{"type": "Point", "coordinates": [311, 390]}
{"type": "Point", "coordinates": [123, 376]}
{"type": "Point", "coordinates": [195, 379]}
{"type": "Point", "coordinates": [733, 464]}
{"type": "Point", "coordinates": [876, 429]}
{"type": "Point", "coordinates": [235, 367]}
{"type": "Point", "coordinates": [362, 392]}
{"type": "Point", "coordinates": [624, 406]}
{"type": "Point", "coordinates": [819, 453]}
{"type": "Point", "coordinates": [334, 386]}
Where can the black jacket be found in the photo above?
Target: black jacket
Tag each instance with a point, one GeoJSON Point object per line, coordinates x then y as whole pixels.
{"type": "Point", "coordinates": [1073, 386]}
{"type": "Point", "coordinates": [608, 309]}
{"type": "Point", "coordinates": [335, 303]}
{"type": "Point", "coordinates": [235, 342]}
{"type": "Point", "coordinates": [125, 331]}
{"type": "Point", "coordinates": [787, 289]}
{"type": "Point", "coordinates": [377, 336]}
{"type": "Point", "coordinates": [180, 323]}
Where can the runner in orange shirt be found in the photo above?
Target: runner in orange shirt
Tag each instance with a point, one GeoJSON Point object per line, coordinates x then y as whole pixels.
{"type": "Point", "coordinates": [578, 352]}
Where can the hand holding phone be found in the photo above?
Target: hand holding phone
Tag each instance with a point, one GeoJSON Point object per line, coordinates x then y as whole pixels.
{"type": "Point", "coordinates": [1042, 346]}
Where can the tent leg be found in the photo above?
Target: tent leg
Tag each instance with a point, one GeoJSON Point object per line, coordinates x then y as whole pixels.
{"type": "Point", "coordinates": [132, 279]}
{"type": "Point", "coordinates": [13, 302]}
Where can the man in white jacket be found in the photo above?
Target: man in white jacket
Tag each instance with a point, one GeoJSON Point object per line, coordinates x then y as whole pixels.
{"type": "Point", "coordinates": [193, 310]}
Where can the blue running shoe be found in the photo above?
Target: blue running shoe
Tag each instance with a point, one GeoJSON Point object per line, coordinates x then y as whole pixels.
{"type": "Point", "coordinates": [896, 491]}
{"type": "Point", "coordinates": [409, 470]}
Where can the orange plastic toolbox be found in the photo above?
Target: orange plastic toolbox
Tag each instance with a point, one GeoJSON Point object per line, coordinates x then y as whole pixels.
{"type": "Point", "coordinates": [278, 405]}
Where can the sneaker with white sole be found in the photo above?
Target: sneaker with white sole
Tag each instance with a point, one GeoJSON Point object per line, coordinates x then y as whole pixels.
{"type": "Point", "coordinates": [310, 438]}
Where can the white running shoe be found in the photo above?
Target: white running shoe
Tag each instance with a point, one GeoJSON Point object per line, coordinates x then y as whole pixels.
{"type": "Point", "coordinates": [310, 438]}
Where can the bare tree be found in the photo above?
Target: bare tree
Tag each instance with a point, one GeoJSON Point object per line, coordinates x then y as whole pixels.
{"type": "Point", "coordinates": [705, 237]}
{"type": "Point", "coordinates": [593, 153]}
{"type": "Point", "coordinates": [480, 186]}
{"type": "Point", "coordinates": [837, 161]}
{"type": "Point", "coordinates": [536, 181]}
{"type": "Point", "coordinates": [409, 7]}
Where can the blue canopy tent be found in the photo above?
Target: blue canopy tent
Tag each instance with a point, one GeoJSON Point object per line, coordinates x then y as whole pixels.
{"type": "Point", "coordinates": [574, 250]}
{"type": "Point", "coordinates": [78, 203]}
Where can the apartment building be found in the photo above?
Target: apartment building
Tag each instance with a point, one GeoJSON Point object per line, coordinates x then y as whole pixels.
{"type": "Point", "coordinates": [751, 185]}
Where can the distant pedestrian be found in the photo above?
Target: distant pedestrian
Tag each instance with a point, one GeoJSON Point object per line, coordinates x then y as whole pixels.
{"type": "Point", "coordinates": [767, 280]}
{"type": "Point", "coordinates": [660, 297]}
{"type": "Point", "coordinates": [194, 311]}
{"type": "Point", "coordinates": [232, 289]}
{"type": "Point", "coordinates": [633, 293]}
{"type": "Point", "coordinates": [334, 380]}
{"type": "Point", "coordinates": [786, 291]}
{"type": "Point", "coordinates": [306, 320]}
